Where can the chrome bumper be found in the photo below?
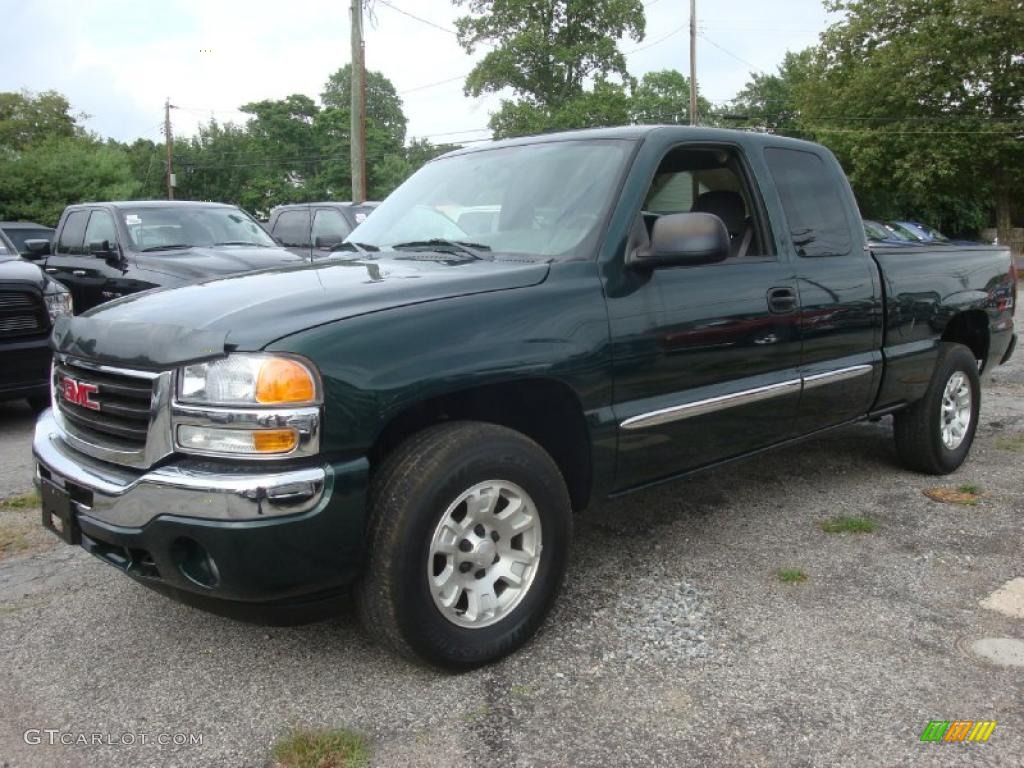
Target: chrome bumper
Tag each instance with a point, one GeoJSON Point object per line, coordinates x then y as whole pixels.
{"type": "Point", "coordinates": [189, 488]}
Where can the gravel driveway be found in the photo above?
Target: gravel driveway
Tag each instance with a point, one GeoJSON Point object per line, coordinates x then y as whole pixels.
{"type": "Point", "coordinates": [675, 643]}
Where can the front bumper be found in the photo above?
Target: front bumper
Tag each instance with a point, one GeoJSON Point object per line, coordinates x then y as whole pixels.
{"type": "Point", "coordinates": [25, 368]}
{"type": "Point", "coordinates": [222, 531]}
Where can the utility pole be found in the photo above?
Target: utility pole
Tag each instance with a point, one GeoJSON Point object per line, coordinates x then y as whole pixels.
{"type": "Point", "coordinates": [693, 62]}
{"type": "Point", "coordinates": [169, 141]}
{"type": "Point", "coordinates": [358, 105]}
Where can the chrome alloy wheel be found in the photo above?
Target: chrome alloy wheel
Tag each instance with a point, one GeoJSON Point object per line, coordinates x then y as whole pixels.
{"type": "Point", "coordinates": [484, 554]}
{"type": "Point", "coordinates": [956, 410]}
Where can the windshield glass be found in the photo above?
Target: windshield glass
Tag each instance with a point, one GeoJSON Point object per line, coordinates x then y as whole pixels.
{"type": "Point", "coordinates": [539, 199]}
{"type": "Point", "coordinates": [933, 233]}
{"type": "Point", "coordinates": [905, 231]}
{"type": "Point", "coordinates": [182, 226]}
{"type": "Point", "coordinates": [876, 231]}
{"type": "Point", "coordinates": [19, 236]}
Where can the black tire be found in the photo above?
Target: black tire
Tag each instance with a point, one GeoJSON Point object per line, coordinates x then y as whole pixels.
{"type": "Point", "coordinates": [408, 497]}
{"type": "Point", "coordinates": [918, 430]}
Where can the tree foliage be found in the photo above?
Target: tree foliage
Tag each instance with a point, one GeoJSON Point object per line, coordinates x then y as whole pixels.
{"type": "Point", "coordinates": [922, 100]}
{"type": "Point", "coordinates": [547, 52]}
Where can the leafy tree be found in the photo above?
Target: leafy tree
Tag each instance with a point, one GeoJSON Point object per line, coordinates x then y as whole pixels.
{"type": "Point", "coordinates": [26, 118]}
{"type": "Point", "coordinates": [663, 97]}
{"type": "Point", "coordinates": [40, 180]}
{"type": "Point", "coordinates": [771, 102]}
{"type": "Point", "coordinates": [546, 51]}
{"type": "Point", "coordinates": [923, 102]}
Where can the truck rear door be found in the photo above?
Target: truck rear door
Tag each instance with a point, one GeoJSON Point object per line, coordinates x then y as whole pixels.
{"type": "Point", "coordinates": [840, 318]}
{"type": "Point", "coordinates": [69, 263]}
{"type": "Point", "coordinates": [292, 229]}
{"type": "Point", "coordinates": [706, 358]}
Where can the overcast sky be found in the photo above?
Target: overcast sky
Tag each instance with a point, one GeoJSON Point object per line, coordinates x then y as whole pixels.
{"type": "Point", "coordinates": [117, 60]}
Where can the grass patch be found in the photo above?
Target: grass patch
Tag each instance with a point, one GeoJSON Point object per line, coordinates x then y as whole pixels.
{"type": "Point", "coordinates": [24, 501]}
{"type": "Point", "coordinates": [846, 524]}
{"type": "Point", "coordinates": [965, 495]}
{"type": "Point", "coordinates": [791, 575]}
{"type": "Point", "coordinates": [309, 748]}
{"type": "Point", "coordinates": [1011, 443]}
{"type": "Point", "coordinates": [13, 539]}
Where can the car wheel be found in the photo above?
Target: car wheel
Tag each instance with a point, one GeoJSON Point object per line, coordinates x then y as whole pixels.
{"type": "Point", "coordinates": [469, 534]}
{"type": "Point", "coordinates": [935, 434]}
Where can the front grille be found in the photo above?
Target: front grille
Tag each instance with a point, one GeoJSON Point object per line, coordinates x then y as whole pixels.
{"type": "Point", "coordinates": [125, 405]}
{"type": "Point", "coordinates": [22, 314]}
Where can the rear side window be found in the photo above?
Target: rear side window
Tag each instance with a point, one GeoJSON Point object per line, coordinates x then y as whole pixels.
{"type": "Point", "coordinates": [329, 228]}
{"type": "Point", "coordinates": [72, 235]}
{"type": "Point", "coordinates": [816, 213]}
{"type": "Point", "coordinates": [101, 227]}
{"type": "Point", "coordinates": [292, 229]}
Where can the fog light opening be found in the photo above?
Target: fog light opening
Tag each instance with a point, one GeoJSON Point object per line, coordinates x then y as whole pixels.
{"type": "Point", "coordinates": [195, 563]}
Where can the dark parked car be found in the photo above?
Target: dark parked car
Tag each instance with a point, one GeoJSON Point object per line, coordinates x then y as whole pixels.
{"type": "Point", "coordinates": [106, 250]}
{"type": "Point", "coordinates": [29, 303]}
{"type": "Point", "coordinates": [13, 234]}
{"type": "Point", "coordinates": [316, 229]}
{"type": "Point", "coordinates": [879, 234]}
{"type": "Point", "coordinates": [419, 419]}
{"type": "Point", "coordinates": [923, 233]}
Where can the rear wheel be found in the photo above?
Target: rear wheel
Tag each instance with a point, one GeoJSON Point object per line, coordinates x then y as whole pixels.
{"type": "Point", "coordinates": [935, 434]}
{"type": "Point", "coordinates": [469, 534]}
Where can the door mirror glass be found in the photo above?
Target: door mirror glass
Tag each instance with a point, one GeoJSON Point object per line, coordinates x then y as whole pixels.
{"type": "Point", "coordinates": [37, 249]}
{"type": "Point", "coordinates": [684, 239]}
{"type": "Point", "coordinates": [103, 250]}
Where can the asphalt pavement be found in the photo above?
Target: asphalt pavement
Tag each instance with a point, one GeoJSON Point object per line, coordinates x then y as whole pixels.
{"type": "Point", "coordinates": [675, 643]}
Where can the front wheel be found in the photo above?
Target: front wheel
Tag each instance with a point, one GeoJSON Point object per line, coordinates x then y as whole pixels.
{"type": "Point", "coordinates": [469, 534]}
{"type": "Point", "coordinates": [935, 434]}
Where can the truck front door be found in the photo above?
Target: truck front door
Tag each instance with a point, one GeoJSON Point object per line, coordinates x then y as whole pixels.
{"type": "Point", "coordinates": [706, 358]}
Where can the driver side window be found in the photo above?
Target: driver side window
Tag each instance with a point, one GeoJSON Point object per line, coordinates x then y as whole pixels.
{"type": "Point", "coordinates": [711, 181]}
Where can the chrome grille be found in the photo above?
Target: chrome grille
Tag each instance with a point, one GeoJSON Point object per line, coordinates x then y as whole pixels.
{"type": "Point", "coordinates": [127, 417]}
{"type": "Point", "coordinates": [21, 314]}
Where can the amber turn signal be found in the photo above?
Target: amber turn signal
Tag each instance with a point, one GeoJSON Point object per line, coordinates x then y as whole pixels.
{"type": "Point", "coordinates": [274, 440]}
{"type": "Point", "coordinates": [281, 380]}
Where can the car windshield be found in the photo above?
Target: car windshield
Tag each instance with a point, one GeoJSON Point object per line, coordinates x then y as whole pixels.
{"type": "Point", "coordinates": [933, 233]}
{"type": "Point", "coordinates": [906, 232]}
{"type": "Point", "coordinates": [876, 231]}
{"type": "Point", "coordinates": [19, 235]}
{"type": "Point", "coordinates": [543, 199]}
{"type": "Point", "coordinates": [181, 227]}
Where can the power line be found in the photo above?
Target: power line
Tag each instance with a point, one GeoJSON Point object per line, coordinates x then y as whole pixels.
{"type": "Point", "coordinates": [417, 18]}
{"type": "Point", "coordinates": [727, 52]}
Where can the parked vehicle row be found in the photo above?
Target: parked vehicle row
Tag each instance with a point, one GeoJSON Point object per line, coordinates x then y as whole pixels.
{"type": "Point", "coordinates": [907, 233]}
{"type": "Point", "coordinates": [419, 419]}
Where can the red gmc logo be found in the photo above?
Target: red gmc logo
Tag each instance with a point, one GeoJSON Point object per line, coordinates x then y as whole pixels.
{"type": "Point", "coordinates": [79, 393]}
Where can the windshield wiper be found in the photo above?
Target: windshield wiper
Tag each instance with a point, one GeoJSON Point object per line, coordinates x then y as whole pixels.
{"type": "Point", "coordinates": [471, 249]}
{"type": "Point", "coordinates": [350, 245]}
{"type": "Point", "coordinates": [165, 247]}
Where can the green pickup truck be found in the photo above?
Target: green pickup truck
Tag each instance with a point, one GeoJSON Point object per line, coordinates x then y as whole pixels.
{"type": "Point", "coordinates": [521, 329]}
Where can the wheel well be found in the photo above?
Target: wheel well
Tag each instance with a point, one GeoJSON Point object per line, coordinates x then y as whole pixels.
{"type": "Point", "coordinates": [970, 329]}
{"type": "Point", "coordinates": [545, 410]}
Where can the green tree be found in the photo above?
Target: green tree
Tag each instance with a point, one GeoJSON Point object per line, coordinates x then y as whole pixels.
{"type": "Point", "coordinates": [923, 103]}
{"type": "Point", "coordinates": [38, 181]}
{"type": "Point", "coordinates": [27, 117]}
{"type": "Point", "coordinates": [770, 102]}
{"type": "Point", "coordinates": [546, 51]}
{"type": "Point", "coordinates": [663, 97]}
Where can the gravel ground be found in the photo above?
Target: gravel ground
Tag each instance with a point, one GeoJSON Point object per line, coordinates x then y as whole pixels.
{"type": "Point", "coordinates": [673, 644]}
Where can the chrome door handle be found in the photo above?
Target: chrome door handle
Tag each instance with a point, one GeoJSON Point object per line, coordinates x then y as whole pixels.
{"type": "Point", "coordinates": [51, 270]}
{"type": "Point", "coordinates": [78, 272]}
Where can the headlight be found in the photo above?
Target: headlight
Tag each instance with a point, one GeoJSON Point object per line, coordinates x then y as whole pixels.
{"type": "Point", "coordinates": [58, 301]}
{"type": "Point", "coordinates": [249, 379]}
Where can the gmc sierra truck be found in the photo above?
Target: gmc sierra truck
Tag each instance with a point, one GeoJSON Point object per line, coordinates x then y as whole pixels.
{"type": "Point", "coordinates": [418, 418]}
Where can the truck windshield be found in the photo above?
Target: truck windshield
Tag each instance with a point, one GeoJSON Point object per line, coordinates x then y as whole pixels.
{"type": "Point", "coordinates": [186, 227]}
{"type": "Point", "coordinates": [543, 199]}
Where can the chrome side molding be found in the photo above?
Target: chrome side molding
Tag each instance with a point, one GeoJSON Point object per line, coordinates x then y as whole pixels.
{"type": "Point", "coordinates": [744, 397]}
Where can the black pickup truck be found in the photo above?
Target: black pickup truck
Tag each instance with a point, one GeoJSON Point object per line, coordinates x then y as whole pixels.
{"type": "Point", "coordinates": [420, 417]}
{"type": "Point", "coordinates": [105, 250]}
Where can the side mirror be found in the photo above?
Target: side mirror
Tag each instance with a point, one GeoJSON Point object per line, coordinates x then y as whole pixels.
{"type": "Point", "coordinates": [36, 249]}
{"type": "Point", "coordinates": [104, 250]}
{"type": "Point", "coordinates": [327, 241]}
{"type": "Point", "coordinates": [684, 240]}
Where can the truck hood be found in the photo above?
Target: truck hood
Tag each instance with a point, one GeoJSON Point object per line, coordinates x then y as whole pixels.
{"type": "Point", "coordinates": [196, 263]}
{"type": "Point", "coordinates": [166, 327]}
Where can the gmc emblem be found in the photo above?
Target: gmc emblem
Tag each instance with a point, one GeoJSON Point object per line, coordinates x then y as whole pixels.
{"type": "Point", "coordinates": [79, 393]}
